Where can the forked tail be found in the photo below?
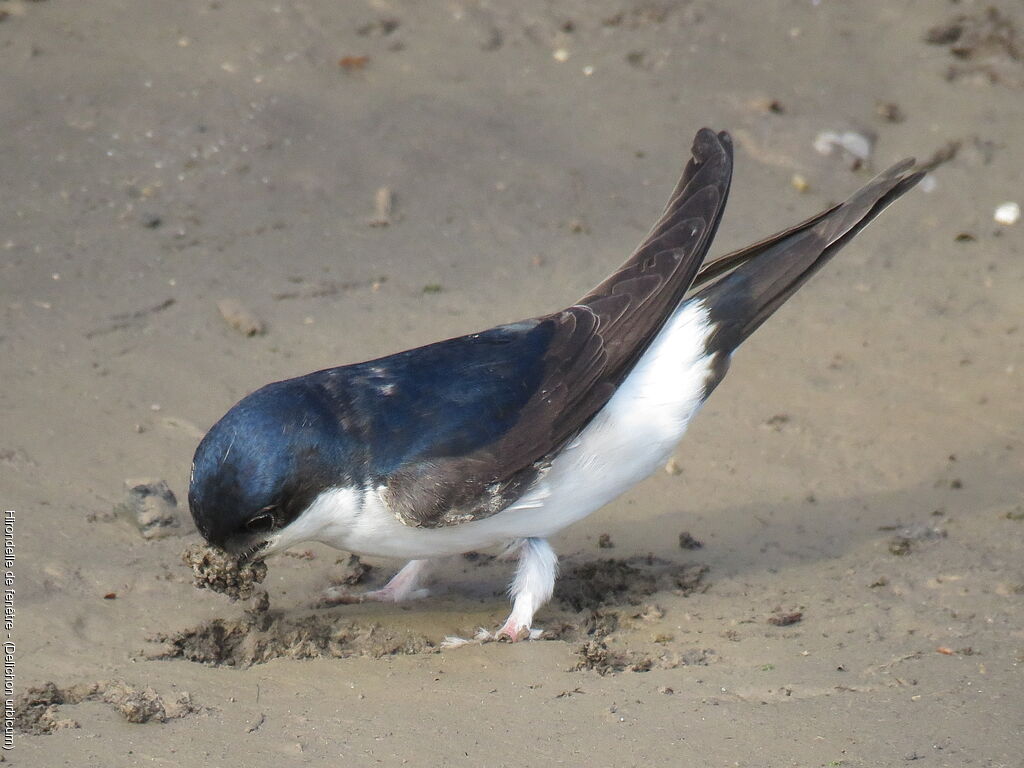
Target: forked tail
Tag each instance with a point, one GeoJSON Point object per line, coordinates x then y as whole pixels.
{"type": "Point", "coordinates": [767, 273]}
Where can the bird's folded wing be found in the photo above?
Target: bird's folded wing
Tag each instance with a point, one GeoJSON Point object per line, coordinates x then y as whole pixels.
{"type": "Point", "coordinates": [548, 377]}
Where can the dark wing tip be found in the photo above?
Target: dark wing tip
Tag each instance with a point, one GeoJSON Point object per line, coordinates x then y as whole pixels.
{"type": "Point", "coordinates": [709, 144]}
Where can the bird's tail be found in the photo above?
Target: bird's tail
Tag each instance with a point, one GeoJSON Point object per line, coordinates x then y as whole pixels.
{"type": "Point", "coordinates": [759, 278]}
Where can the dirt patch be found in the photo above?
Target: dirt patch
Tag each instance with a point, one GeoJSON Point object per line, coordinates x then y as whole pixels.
{"type": "Point", "coordinates": [593, 599]}
{"type": "Point", "coordinates": [985, 43]}
{"type": "Point", "coordinates": [599, 583]}
{"type": "Point", "coordinates": [611, 594]}
{"type": "Point", "coordinates": [37, 710]}
{"type": "Point", "coordinates": [598, 655]}
{"type": "Point", "coordinates": [261, 635]}
{"type": "Point", "coordinates": [909, 537]}
{"type": "Point", "coordinates": [224, 573]}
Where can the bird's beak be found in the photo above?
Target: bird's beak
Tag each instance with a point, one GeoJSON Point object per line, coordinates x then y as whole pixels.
{"type": "Point", "coordinates": [249, 551]}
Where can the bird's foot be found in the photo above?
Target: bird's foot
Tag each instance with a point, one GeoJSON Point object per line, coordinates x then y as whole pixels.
{"type": "Point", "coordinates": [505, 634]}
{"type": "Point", "coordinates": [404, 585]}
{"type": "Point", "coordinates": [532, 587]}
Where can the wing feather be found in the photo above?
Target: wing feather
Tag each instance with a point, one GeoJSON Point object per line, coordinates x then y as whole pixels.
{"type": "Point", "coordinates": [591, 348]}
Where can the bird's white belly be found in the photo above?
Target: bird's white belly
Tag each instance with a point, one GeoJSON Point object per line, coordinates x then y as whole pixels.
{"type": "Point", "coordinates": [629, 439]}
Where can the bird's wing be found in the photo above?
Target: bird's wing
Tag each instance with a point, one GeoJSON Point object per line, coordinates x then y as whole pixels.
{"type": "Point", "coordinates": [489, 410]}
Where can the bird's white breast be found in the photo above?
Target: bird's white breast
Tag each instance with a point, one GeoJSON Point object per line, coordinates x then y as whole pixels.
{"type": "Point", "coordinates": [629, 439]}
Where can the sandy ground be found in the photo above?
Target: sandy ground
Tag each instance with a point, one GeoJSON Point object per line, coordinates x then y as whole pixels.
{"type": "Point", "coordinates": [158, 157]}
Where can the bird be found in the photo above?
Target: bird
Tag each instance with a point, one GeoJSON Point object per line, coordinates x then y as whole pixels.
{"type": "Point", "coordinates": [504, 437]}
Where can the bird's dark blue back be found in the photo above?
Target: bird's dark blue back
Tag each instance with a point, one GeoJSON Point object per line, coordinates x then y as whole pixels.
{"type": "Point", "coordinates": [445, 399]}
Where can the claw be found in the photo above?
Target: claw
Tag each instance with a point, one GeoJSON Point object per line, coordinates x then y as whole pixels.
{"type": "Point", "coordinates": [514, 632]}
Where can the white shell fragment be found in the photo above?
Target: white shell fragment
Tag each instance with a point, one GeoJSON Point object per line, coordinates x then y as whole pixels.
{"type": "Point", "coordinates": [856, 144]}
{"type": "Point", "coordinates": [1007, 213]}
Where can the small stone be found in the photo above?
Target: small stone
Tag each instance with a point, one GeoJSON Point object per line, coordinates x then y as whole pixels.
{"type": "Point", "coordinates": [799, 183]}
{"type": "Point", "coordinates": [240, 318]}
{"type": "Point", "coordinates": [686, 541]}
{"type": "Point", "coordinates": [561, 55]}
{"type": "Point", "coordinates": [353, 63]}
{"type": "Point", "coordinates": [152, 508]}
{"type": "Point", "coordinates": [786, 619]}
{"type": "Point", "coordinates": [604, 541]}
{"type": "Point", "coordinates": [673, 467]}
{"type": "Point", "coordinates": [890, 112]}
{"type": "Point", "coordinates": [767, 105]}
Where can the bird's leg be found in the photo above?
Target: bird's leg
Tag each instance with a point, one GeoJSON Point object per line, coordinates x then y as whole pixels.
{"type": "Point", "coordinates": [531, 588]}
{"type": "Point", "coordinates": [404, 585]}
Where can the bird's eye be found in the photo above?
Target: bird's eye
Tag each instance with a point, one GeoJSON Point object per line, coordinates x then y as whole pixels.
{"type": "Point", "coordinates": [260, 523]}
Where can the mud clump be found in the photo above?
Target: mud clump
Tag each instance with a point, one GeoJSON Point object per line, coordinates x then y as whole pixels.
{"type": "Point", "coordinates": [601, 583]}
{"type": "Point", "coordinates": [596, 656]}
{"type": "Point", "coordinates": [261, 636]}
{"type": "Point", "coordinates": [151, 507]}
{"type": "Point", "coordinates": [144, 705]}
{"type": "Point", "coordinates": [349, 571]}
{"type": "Point", "coordinates": [687, 541]}
{"type": "Point", "coordinates": [785, 618]}
{"type": "Point", "coordinates": [224, 573]}
{"type": "Point", "coordinates": [37, 710]}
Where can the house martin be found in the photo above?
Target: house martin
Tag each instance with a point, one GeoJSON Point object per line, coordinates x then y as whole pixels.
{"type": "Point", "coordinates": [509, 435]}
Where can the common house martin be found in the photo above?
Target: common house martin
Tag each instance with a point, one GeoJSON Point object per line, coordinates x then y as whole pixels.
{"type": "Point", "coordinates": [509, 435]}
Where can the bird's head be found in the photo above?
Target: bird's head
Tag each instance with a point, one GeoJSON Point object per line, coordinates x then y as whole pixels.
{"type": "Point", "coordinates": [262, 465]}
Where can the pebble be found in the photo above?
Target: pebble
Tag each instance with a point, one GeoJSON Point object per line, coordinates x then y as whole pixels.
{"type": "Point", "coordinates": [240, 318]}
